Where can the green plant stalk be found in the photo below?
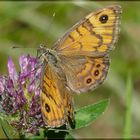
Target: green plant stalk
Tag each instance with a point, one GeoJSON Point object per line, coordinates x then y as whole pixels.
{"type": "Point", "coordinates": [128, 115]}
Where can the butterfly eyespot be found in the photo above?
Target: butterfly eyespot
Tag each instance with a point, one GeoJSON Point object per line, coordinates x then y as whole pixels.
{"type": "Point", "coordinates": [103, 18]}
{"type": "Point", "coordinates": [98, 65]}
{"type": "Point", "coordinates": [89, 80]}
{"type": "Point", "coordinates": [47, 108]}
{"type": "Point", "coordinates": [96, 73]}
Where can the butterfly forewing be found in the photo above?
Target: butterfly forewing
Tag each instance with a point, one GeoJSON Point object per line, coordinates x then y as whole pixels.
{"type": "Point", "coordinates": [94, 35]}
{"type": "Point", "coordinates": [55, 99]}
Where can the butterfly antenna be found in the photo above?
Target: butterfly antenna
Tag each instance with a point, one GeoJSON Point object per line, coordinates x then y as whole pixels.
{"type": "Point", "coordinates": [18, 47]}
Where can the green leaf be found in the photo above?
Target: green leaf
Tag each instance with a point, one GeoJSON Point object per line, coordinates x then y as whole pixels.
{"type": "Point", "coordinates": [69, 137]}
{"type": "Point", "coordinates": [7, 131]}
{"type": "Point", "coordinates": [90, 113]}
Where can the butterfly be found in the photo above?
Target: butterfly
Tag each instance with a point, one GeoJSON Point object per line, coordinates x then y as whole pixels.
{"type": "Point", "coordinates": [77, 62]}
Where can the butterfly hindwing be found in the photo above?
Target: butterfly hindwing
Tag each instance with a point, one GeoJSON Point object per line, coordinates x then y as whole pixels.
{"type": "Point", "coordinates": [85, 73]}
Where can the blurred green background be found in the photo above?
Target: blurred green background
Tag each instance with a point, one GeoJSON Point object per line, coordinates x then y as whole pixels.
{"type": "Point", "coordinates": [29, 24]}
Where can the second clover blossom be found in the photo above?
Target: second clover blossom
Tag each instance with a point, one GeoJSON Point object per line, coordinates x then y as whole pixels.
{"type": "Point", "coordinates": [20, 95]}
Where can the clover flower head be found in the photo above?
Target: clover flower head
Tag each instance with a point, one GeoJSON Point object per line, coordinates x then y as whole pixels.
{"type": "Point", "coordinates": [20, 95]}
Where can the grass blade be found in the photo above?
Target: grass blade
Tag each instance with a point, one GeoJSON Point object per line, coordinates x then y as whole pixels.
{"type": "Point", "coordinates": [127, 126]}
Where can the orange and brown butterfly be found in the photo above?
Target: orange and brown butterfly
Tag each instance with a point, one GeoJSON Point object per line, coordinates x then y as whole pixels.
{"type": "Point", "coordinates": [78, 62]}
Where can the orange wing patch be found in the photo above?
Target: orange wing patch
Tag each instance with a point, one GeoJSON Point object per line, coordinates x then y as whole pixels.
{"type": "Point", "coordinates": [54, 99]}
{"type": "Point", "coordinates": [94, 35]}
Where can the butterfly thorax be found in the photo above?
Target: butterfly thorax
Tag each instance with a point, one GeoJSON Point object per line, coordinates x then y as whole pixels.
{"type": "Point", "coordinates": [50, 56]}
